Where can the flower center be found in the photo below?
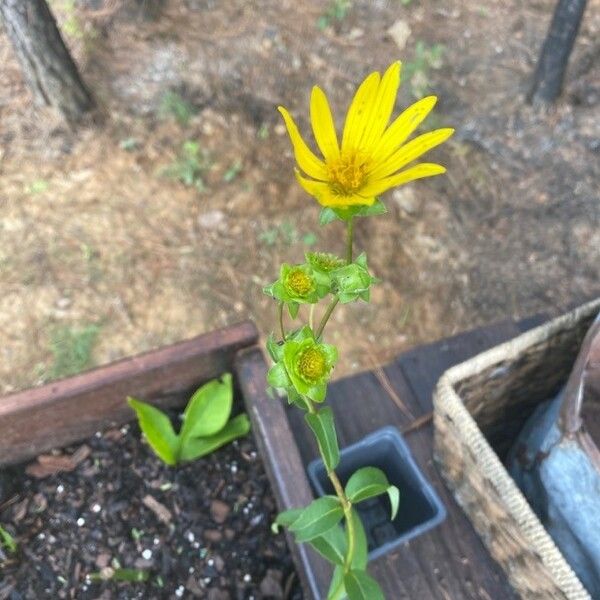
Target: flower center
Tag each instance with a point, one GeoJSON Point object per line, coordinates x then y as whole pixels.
{"type": "Point", "coordinates": [325, 261]}
{"type": "Point", "coordinates": [299, 282]}
{"type": "Point", "coordinates": [312, 364]}
{"type": "Point", "coordinates": [348, 172]}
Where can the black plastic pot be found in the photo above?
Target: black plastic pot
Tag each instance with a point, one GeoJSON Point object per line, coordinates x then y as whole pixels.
{"type": "Point", "coordinates": [420, 507]}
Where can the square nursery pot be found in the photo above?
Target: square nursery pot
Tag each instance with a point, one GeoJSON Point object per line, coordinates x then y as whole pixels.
{"type": "Point", "coordinates": [480, 406]}
{"type": "Point", "coordinates": [420, 508]}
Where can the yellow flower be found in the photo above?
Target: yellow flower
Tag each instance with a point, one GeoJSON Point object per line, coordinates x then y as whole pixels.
{"type": "Point", "coordinates": [371, 155]}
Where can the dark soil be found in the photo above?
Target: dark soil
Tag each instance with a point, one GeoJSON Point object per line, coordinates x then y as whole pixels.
{"type": "Point", "coordinates": [201, 530]}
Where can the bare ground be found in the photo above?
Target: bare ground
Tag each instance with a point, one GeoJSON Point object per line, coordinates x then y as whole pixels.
{"type": "Point", "coordinates": [94, 232]}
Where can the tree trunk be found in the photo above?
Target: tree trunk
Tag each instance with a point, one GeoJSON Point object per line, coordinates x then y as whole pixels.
{"type": "Point", "coordinates": [552, 64]}
{"type": "Point", "coordinates": [46, 63]}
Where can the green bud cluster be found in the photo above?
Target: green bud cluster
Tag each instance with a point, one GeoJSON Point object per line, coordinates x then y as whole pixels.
{"type": "Point", "coordinates": [302, 364]}
{"type": "Point", "coordinates": [353, 282]}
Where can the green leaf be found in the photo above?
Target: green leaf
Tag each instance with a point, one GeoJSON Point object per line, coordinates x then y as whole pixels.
{"type": "Point", "coordinates": [361, 260]}
{"type": "Point", "coordinates": [208, 409]}
{"type": "Point", "coordinates": [274, 348]}
{"type": "Point", "coordinates": [286, 518]}
{"type": "Point", "coordinates": [365, 483]}
{"type": "Point", "coordinates": [194, 448]}
{"type": "Point", "coordinates": [295, 398]}
{"type": "Point", "coordinates": [360, 586]}
{"type": "Point", "coordinates": [7, 541]}
{"type": "Point", "coordinates": [332, 545]}
{"type": "Point", "coordinates": [336, 587]}
{"type": "Point", "coordinates": [327, 216]}
{"type": "Point", "coordinates": [318, 392]}
{"type": "Point", "coordinates": [129, 575]}
{"type": "Point", "coordinates": [278, 377]}
{"type": "Point", "coordinates": [158, 429]}
{"type": "Point", "coordinates": [293, 308]}
{"type": "Point", "coordinates": [369, 482]}
{"type": "Point", "coordinates": [361, 547]}
{"type": "Point", "coordinates": [323, 427]}
{"type": "Point", "coordinates": [376, 209]}
{"type": "Point", "coordinates": [394, 494]}
{"type": "Point", "coordinates": [318, 517]}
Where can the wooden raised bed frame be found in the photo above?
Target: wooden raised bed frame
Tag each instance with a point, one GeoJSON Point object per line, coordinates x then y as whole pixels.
{"type": "Point", "coordinates": [65, 411]}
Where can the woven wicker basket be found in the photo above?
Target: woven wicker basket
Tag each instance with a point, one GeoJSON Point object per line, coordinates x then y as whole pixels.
{"type": "Point", "coordinates": [479, 408]}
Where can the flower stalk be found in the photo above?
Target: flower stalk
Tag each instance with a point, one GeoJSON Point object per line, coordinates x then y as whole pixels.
{"type": "Point", "coordinates": [371, 158]}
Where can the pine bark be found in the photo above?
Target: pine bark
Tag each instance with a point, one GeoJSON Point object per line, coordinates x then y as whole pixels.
{"type": "Point", "coordinates": [552, 64]}
{"type": "Point", "coordinates": [47, 65]}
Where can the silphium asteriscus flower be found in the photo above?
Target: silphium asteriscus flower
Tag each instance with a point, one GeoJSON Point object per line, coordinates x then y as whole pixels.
{"type": "Point", "coordinates": [373, 155]}
{"type": "Point", "coordinates": [304, 366]}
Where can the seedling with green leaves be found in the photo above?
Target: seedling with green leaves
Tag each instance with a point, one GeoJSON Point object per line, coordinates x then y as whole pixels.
{"type": "Point", "coordinates": [173, 105]}
{"type": "Point", "coordinates": [286, 233]}
{"type": "Point", "coordinates": [189, 166]}
{"type": "Point", "coordinates": [206, 424]}
{"type": "Point", "coordinates": [417, 71]}
{"type": "Point", "coordinates": [71, 349]}
{"type": "Point", "coordinates": [336, 12]}
{"type": "Point", "coordinates": [7, 541]}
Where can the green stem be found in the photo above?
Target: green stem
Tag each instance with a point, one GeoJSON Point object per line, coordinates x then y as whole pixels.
{"type": "Point", "coordinates": [349, 239]}
{"type": "Point", "coordinates": [346, 504]}
{"type": "Point", "coordinates": [326, 316]}
{"type": "Point", "coordinates": [334, 302]}
{"type": "Point", "coordinates": [281, 327]}
{"type": "Point", "coordinates": [311, 316]}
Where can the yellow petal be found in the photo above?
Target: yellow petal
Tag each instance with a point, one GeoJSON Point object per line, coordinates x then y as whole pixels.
{"type": "Point", "coordinates": [359, 108]}
{"type": "Point", "coordinates": [409, 152]}
{"type": "Point", "coordinates": [305, 158]}
{"type": "Point", "coordinates": [417, 172]}
{"type": "Point", "coordinates": [317, 189]}
{"type": "Point", "coordinates": [322, 124]}
{"type": "Point", "coordinates": [381, 110]}
{"type": "Point", "coordinates": [397, 133]}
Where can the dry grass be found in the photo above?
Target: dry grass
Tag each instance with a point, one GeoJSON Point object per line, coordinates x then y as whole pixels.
{"type": "Point", "coordinates": [93, 233]}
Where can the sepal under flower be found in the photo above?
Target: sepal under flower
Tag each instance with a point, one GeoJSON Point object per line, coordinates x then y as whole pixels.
{"type": "Point", "coordinates": [297, 284]}
{"type": "Point", "coordinates": [353, 281]}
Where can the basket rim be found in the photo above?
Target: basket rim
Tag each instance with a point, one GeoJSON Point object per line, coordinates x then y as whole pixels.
{"type": "Point", "coordinates": [447, 401]}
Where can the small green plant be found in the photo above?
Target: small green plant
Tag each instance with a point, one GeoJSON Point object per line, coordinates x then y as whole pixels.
{"type": "Point", "coordinates": [189, 166]}
{"type": "Point", "coordinates": [286, 233]}
{"type": "Point", "coordinates": [7, 541]}
{"type": "Point", "coordinates": [173, 105]}
{"type": "Point", "coordinates": [337, 11]}
{"type": "Point", "coordinates": [416, 72]}
{"type": "Point", "coordinates": [37, 186]}
{"type": "Point", "coordinates": [233, 171]}
{"type": "Point", "coordinates": [72, 349]}
{"type": "Point", "coordinates": [72, 24]}
{"type": "Point", "coordinates": [128, 575]}
{"type": "Point", "coordinates": [129, 144]}
{"type": "Point", "coordinates": [206, 424]}
{"type": "Point", "coordinates": [263, 132]}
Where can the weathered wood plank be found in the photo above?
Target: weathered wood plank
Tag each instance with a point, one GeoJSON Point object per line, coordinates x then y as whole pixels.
{"type": "Point", "coordinates": [282, 461]}
{"type": "Point", "coordinates": [424, 365]}
{"type": "Point", "coordinates": [62, 412]}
